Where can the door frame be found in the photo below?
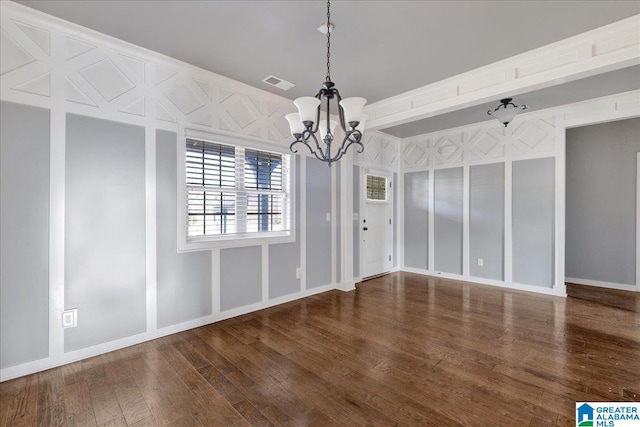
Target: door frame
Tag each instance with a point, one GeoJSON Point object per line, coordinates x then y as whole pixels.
{"type": "Point", "coordinates": [387, 173]}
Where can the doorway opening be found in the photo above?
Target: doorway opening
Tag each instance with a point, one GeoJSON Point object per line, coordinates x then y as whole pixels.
{"type": "Point", "coordinates": [602, 225]}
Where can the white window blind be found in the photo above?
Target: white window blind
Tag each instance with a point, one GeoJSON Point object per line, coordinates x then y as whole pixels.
{"type": "Point", "coordinates": [233, 190]}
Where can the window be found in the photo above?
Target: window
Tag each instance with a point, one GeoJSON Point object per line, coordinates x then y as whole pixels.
{"type": "Point", "coordinates": [235, 195]}
{"type": "Point", "coordinates": [376, 188]}
{"type": "Point", "coordinates": [211, 185]}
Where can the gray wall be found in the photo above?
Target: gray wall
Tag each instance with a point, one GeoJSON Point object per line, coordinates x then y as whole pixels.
{"type": "Point", "coordinates": [240, 277]}
{"type": "Point", "coordinates": [533, 209]}
{"type": "Point", "coordinates": [184, 279]}
{"type": "Point", "coordinates": [448, 220]}
{"type": "Point", "coordinates": [104, 230]}
{"type": "Point", "coordinates": [416, 219]}
{"type": "Point", "coordinates": [356, 224]}
{"type": "Point", "coordinates": [486, 220]}
{"type": "Point", "coordinates": [318, 228]}
{"type": "Point", "coordinates": [285, 258]}
{"type": "Point", "coordinates": [601, 202]}
{"type": "Point", "coordinates": [24, 234]}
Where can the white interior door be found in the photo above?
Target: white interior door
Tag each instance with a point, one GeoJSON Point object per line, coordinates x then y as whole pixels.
{"type": "Point", "coordinates": [376, 224]}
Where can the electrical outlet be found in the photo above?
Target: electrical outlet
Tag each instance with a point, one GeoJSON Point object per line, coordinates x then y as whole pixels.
{"type": "Point", "coordinates": [70, 318]}
{"type": "Point", "coordinates": [298, 273]}
{"type": "Point", "coordinates": [355, 216]}
{"type": "Point", "coordinates": [480, 262]}
{"type": "Point", "coordinates": [328, 216]}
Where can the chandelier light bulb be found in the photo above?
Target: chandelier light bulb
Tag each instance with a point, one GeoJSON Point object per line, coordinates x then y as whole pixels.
{"type": "Point", "coordinates": [295, 124]}
{"type": "Point", "coordinates": [308, 108]}
{"type": "Point", "coordinates": [363, 121]}
{"type": "Point", "coordinates": [352, 109]}
{"type": "Point", "coordinates": [323, 128]}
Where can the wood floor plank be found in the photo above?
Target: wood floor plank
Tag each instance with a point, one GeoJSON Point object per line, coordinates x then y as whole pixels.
{"type": "Point", "coordinates": [105, 405]}
{"type": "Point", "coordinates": [77, 399]}
{"type": "Point", "coordinates": [22, 408]}
{"type": "Point", "coordinates": [51, 406]}
{"type": "Point", "coordinates": [403, 349]}
{"type": "Point", "coordinates": [128, 395]}
{"type": "Point", "coordinates": [83, 419]}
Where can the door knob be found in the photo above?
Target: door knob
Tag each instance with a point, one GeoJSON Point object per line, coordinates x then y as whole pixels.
{"type": "Point", "coordinates": [365, 228]}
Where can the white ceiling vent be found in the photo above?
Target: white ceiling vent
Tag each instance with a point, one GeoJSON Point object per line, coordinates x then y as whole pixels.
{"type": "Point", "coordinates": [278, 82]}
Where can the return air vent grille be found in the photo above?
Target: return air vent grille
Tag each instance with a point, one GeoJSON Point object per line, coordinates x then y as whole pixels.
{"type": "Point", "coordinates": [278, 82]}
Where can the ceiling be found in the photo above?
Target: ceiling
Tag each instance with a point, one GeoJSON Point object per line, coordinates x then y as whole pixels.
{"type": "Point", "coordinates": [378, 48]}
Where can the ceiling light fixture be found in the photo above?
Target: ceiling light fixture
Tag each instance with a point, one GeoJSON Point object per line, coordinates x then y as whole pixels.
{"type": "Point", "coordinates": [506, 111]}
{"type": "Point", "coordinates": [306, 124]}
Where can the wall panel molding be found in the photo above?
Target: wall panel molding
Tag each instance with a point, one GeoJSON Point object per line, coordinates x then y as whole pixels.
{"type": "Point", "coordinates": [532, 135]}
{"type": "Point", "coordinates": [106, 76]}
{"type": "Point", "coordinates": [380, 150]}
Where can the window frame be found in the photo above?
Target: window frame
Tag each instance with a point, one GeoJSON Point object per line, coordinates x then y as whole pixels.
{"type": "Point", "coordinates": [237, 239]}
{"type": "Point", "coordinates": [387, 187]}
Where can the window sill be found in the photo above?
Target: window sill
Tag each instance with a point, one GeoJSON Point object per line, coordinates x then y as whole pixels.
{"type": "Point", "coordinates": [235, 241]}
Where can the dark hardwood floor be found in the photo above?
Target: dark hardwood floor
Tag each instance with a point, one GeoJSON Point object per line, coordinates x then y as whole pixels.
{"type": "Point", "coordinates": [624, 300]}
{"type": "Point", "coordinates": [403, 349]}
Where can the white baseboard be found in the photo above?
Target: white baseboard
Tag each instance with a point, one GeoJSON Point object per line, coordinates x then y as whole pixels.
{"type": "Point", "coordinates": [347, 286]}
{"type": "Point", "coordinates": [96, 350]}
{"type": "Point", "coordinates": [560, 292]}
{"type": "Point", "coordinates": [601, 284]}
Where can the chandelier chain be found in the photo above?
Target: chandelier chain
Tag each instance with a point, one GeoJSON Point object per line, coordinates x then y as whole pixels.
{"type": "Point", "coordinates": [328, 41]}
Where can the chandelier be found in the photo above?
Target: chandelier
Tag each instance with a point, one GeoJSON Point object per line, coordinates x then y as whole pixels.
{"type": "Point", "coordinates": [318, 134]}
{"type": "Point", "coordinates": [506, 111]}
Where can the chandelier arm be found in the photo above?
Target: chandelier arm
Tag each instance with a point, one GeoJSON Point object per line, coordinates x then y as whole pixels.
{"type": "Point", "coordinates": [311, 150]}
{"type": "Point", "coordinates": [343, 150]}
{"type": "Point", "coordinates": [306, 141]}
{"type": "Point", "coordinates": [322, 158]}
{"type": "Point", "coordinates": [335, 158]}
{"type": "Point", "coordinates": [340, 111]}
{"type": "Point", "coordinates": [351, 142]}
{"type": "Point", "coordinates": [300, 142]}
{"type": "Point", "coordinates": [297, 141]}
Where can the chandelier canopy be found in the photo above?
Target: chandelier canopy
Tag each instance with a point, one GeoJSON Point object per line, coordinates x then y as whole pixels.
{"type": "Point", "coordinates": [506, 111]}
{"type": "Point", "coordinates": [306, 125]}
